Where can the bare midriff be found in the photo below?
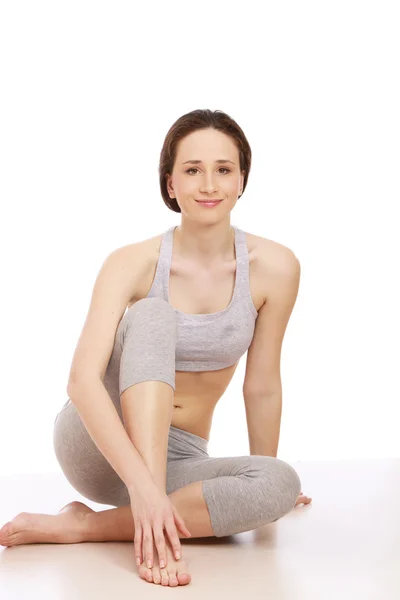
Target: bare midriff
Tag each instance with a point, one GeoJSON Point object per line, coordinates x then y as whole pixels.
{"type": "Point", "coordinates": [197, 393]}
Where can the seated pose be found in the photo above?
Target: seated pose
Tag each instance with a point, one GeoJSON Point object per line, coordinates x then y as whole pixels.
{"type": "Point", "coordinates": [170, 317]}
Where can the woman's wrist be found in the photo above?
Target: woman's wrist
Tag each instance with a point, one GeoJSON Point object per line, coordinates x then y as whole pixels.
{"type": "Point", "coordinates": [143, 482]}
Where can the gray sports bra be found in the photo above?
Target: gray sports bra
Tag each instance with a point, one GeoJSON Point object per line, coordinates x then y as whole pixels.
{"type": "Point", "coordinates": [208, 342]}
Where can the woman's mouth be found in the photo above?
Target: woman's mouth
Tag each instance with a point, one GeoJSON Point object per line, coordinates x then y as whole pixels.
{"type": "Point", "coordinates": [208, 202]}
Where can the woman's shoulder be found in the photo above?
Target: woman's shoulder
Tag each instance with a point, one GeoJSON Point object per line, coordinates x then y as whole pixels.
{"type": "Point", "coordinates": [269, 262]}
{"type": "Point", "coordinates": [268, 252]}
{"type": "Point", "coordinates": [140, 260]}
{"type": "Point", "coordinates": [141, 250]}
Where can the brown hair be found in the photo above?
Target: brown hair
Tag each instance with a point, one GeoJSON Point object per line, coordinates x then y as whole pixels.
{"type": "Point", "coordinates": [192, 121]}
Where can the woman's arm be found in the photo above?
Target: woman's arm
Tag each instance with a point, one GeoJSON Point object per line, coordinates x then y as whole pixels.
{"type": "Point", "coordinates": [115, 285]}
{"type": "Point", "coordinates": [262, 388]}
{"type": "Point", "coordinates": [104, 426]}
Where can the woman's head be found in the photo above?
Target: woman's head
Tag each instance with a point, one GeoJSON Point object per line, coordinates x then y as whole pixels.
{"type": "Point", "coordinates": [206, 136]}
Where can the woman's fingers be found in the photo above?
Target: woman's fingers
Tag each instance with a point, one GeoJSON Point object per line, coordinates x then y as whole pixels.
{"type": "Point", "coordinates": [147, 544]}
{"type": "Point", "coordinates": [160, 545]}
{"type": "Point", "coordinates": [153, 517]}
{"type": "Point", "coordinates": [138, 542]}
{"type": "Point", "coordinates": [174, 538]}
{"type": "Point", "coordinates": [180, 523]}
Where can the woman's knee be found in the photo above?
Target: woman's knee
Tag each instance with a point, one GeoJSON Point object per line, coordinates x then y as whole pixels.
{"type": "Point", "coordinates": [148, 338]}
{"type": "Point", "coordinates": [151, 308]}
{"type": "Point", "coordinates": [278, 485]}
{"type": "Point", "coordinates": [146, 310]}
{"type": "Point", "coordinates": [291, 481]}
{"type": "Point", "coordinates": [286, 484]}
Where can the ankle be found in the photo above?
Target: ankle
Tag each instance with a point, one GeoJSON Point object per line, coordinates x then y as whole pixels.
{"type": "Point", "coordinates": [90, 530]}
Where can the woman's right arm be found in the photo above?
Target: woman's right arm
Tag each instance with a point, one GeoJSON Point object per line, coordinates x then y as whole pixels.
{"type": "Point", "coordinates": [116, 284]}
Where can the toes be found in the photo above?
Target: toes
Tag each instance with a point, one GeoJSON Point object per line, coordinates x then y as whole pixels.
{"type": "Point", "coordinates": [173, 582]}
{"type": "Point", "coordinates": [5, 531]}
{"type": "Point", "coordinates": [156, 575]}
{"type": "Point", "coordinates": [8, 529]}
{"type": "Point", "coordinates": [164, 577]}
{"type": "Point", "coordinates": [184, 578]}
{"type": "Point", "coordinates": [145, 573]}
{"type": "Point", "coordinates": [176, 576]}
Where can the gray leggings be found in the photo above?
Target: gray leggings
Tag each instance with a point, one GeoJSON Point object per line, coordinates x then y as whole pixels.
{"type": "Point", "coordinates": [241, 493]}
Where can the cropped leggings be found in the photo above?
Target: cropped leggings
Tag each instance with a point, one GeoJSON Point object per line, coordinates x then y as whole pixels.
{"type": "Point", "coordinates": [241, 493]}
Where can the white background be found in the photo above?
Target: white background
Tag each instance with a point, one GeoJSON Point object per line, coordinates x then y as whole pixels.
{"type": "Point", "coordinates": [88, 93]}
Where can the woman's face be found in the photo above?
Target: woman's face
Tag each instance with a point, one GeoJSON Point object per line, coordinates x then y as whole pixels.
{"type": "Point", "coordinates": [206, 179]}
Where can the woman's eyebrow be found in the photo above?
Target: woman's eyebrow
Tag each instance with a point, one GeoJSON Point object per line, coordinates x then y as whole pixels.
{"type": "Point", "coordinates": [196, 162]}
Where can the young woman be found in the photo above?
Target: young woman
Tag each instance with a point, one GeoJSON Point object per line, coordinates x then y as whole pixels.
{"type": "Point", "coordinates": [169, 319]}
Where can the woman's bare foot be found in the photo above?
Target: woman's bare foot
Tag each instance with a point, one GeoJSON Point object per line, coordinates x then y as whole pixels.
{"type": "Point", "coordinates": [67, 527]}
{"type": "Point", "coordinates": [175, 573]}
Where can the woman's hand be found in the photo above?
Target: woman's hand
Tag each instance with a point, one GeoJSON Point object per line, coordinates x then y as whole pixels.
{"type": "Point", "coordinates": [153, 512]}
{"type": "Point", "coordinates": [303, 499]}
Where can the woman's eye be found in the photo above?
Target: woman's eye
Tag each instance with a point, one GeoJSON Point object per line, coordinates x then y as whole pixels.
{"type": "Point", "coordinates": [194, 169]}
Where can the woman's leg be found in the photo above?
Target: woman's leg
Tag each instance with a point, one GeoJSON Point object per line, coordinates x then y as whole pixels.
{"type": "Point", "coordinates": [241, 492]}
{"type": "Point", "coordinates": [246, 492]}
{"type": "Point", "coordinates": [214, 496]}
{"type": "Point", "coordinates": [116, 524]}
{"type": "Point", "coordinates": [147, 381]}
{"type": "Point", "coordinates": [140, 379]}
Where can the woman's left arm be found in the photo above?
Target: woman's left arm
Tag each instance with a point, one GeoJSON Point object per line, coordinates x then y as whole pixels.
{"type": "Point", "coordinates": [281, 274]}
{"type": "Point", "coordinates": [262, 387]}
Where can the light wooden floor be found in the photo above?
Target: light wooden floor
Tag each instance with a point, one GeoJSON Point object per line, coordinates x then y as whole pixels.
{"type": "Point", "coordinates": [344, 545]}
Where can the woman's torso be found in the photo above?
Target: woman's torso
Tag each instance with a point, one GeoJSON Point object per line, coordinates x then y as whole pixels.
{"type": "Point", "coordinates": [205, 291]}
